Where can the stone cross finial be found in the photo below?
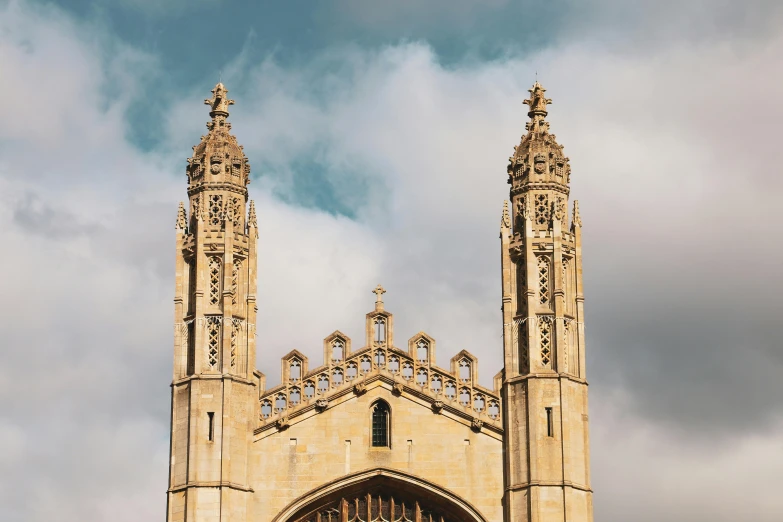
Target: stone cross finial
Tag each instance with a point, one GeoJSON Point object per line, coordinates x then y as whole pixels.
{"type": "Point", "coordinates": [379, 291]}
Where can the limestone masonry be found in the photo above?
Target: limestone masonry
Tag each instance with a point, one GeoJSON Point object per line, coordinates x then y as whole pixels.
{"type": "Point", "coordinates": [379, 432]}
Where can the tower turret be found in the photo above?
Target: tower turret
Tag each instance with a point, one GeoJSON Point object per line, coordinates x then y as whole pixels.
{"type": "Point", "coordinates": [214, 395]}
{"type": "Point", "coordinates": [547, 457]}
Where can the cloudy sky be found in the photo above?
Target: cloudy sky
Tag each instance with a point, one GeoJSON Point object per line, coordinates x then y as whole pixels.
{"type": "Point", "coordinates": [378, 134]}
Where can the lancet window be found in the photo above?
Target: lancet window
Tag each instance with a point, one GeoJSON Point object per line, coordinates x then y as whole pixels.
{"type": "Point", "coordinates": [519, 331]}
{"type": "Point", "coordinates": [521, 287]}
{"type": "Point", "coordinates": [191, 340]}
{"type": "Point", "coordinates": [381, 417]}
{"type": "Point", "coordinates": [191, 292]}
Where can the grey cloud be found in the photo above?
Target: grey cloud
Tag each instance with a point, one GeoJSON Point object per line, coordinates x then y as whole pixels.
{"type": "Point", "coordinates": [34, 216]}
{"type": "Point", "coordinates": [683, 342]}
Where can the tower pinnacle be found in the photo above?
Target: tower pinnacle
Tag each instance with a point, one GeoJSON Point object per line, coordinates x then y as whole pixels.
{"type": "Point", "coordinates": [537, 101]}
{"type": "Point", "coordinates": [219, 101]}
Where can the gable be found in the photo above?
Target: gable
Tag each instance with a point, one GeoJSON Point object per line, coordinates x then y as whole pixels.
{"type": "Point", "coordinates": [412, 374]}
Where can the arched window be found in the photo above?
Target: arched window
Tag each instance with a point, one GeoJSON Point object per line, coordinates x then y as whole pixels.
{"type": "Point", "coordinates": [380, 425]}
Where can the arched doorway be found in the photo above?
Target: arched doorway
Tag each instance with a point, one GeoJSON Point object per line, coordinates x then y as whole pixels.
{"type": "Point", "coordinates": [379, 495]}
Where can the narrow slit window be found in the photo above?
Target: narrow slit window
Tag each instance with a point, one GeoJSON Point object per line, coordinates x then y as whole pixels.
{"type": "Point", "coordinates": [380, 425]}
{"type": "Point", "coordinates": [550, 429]}
{"type": "Point", "coordinates": [211, 433]}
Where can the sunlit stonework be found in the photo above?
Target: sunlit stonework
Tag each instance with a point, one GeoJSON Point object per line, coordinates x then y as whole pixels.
{"type": "Point", "coordinates": [378, 432]}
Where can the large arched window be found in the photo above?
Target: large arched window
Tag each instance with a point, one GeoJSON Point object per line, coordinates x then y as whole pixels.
{"type": "Point", "coordinates": [381, 422]}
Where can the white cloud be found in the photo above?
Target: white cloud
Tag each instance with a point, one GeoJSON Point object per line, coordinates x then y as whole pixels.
{"type": "Point", "coordinates": [672, 186]}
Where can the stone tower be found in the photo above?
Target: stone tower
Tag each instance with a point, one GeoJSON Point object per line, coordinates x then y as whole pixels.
{"type": "Point", "coordinates": [214, 396]}
{"type": "Point", "coordinates": [546, 451]}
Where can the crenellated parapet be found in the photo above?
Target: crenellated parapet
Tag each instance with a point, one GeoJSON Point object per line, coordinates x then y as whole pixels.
{"type": "Point", "coordinates": [411, 371]}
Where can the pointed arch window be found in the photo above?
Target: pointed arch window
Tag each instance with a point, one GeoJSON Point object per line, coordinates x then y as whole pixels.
{"type": "Point", "coordinates": [381, 422]}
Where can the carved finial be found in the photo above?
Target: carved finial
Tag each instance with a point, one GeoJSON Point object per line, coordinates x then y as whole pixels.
{"type": "Point", "coordinates": [505, 220]}
{"type": "Point", "coordinates": [251, 215]}
{"type": "Point", "coordinates": [181, 217]}
{"type": "Point", "coordinates": [537, 101]}
{"type": "Point", "coordinates": [379, 291]}
{"type": "Point", "coordinates": [577, 219]}
{"type": "Point", "coordinates": [219, 101]}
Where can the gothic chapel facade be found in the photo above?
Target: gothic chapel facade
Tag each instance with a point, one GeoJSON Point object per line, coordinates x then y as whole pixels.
{"type": "Point", "coordinates": [378, 432]}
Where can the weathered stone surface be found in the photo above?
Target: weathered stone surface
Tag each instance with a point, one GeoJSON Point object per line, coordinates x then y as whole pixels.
{"type": "Point", "coordinates": [379, 430]}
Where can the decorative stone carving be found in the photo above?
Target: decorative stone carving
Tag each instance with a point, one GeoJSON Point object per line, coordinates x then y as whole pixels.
{"type": "Point", "coordinates": [413, 370]}
{"type": "Point", "coordinates": [505, 220]}
{"type": "Point", "coordinates": [476, 424]}
{"type": "Point", "coordinates": [219, 101]}
{"type": "Point", "coordinates": [537, 101]}
{"type": "Point", "coordinates": [577, 219]}
{"type": "Point", "coordinates": [283, 423]}
{"type": "Point", "coordinates": [437, 406]}
{"type": "Point", "coordinates": [540, 163]}
{"type": "Point", "coordinates": [559, 209]}
{"type": "Point", "coordinates": [181, 217]}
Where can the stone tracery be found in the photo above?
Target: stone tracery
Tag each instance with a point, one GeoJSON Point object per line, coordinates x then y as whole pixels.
{"type": "Point", "coordinates": [342, 368]}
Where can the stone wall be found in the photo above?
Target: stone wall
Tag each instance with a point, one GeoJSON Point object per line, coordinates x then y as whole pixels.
{"type": "Point", "coordinates": [323, 446]}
